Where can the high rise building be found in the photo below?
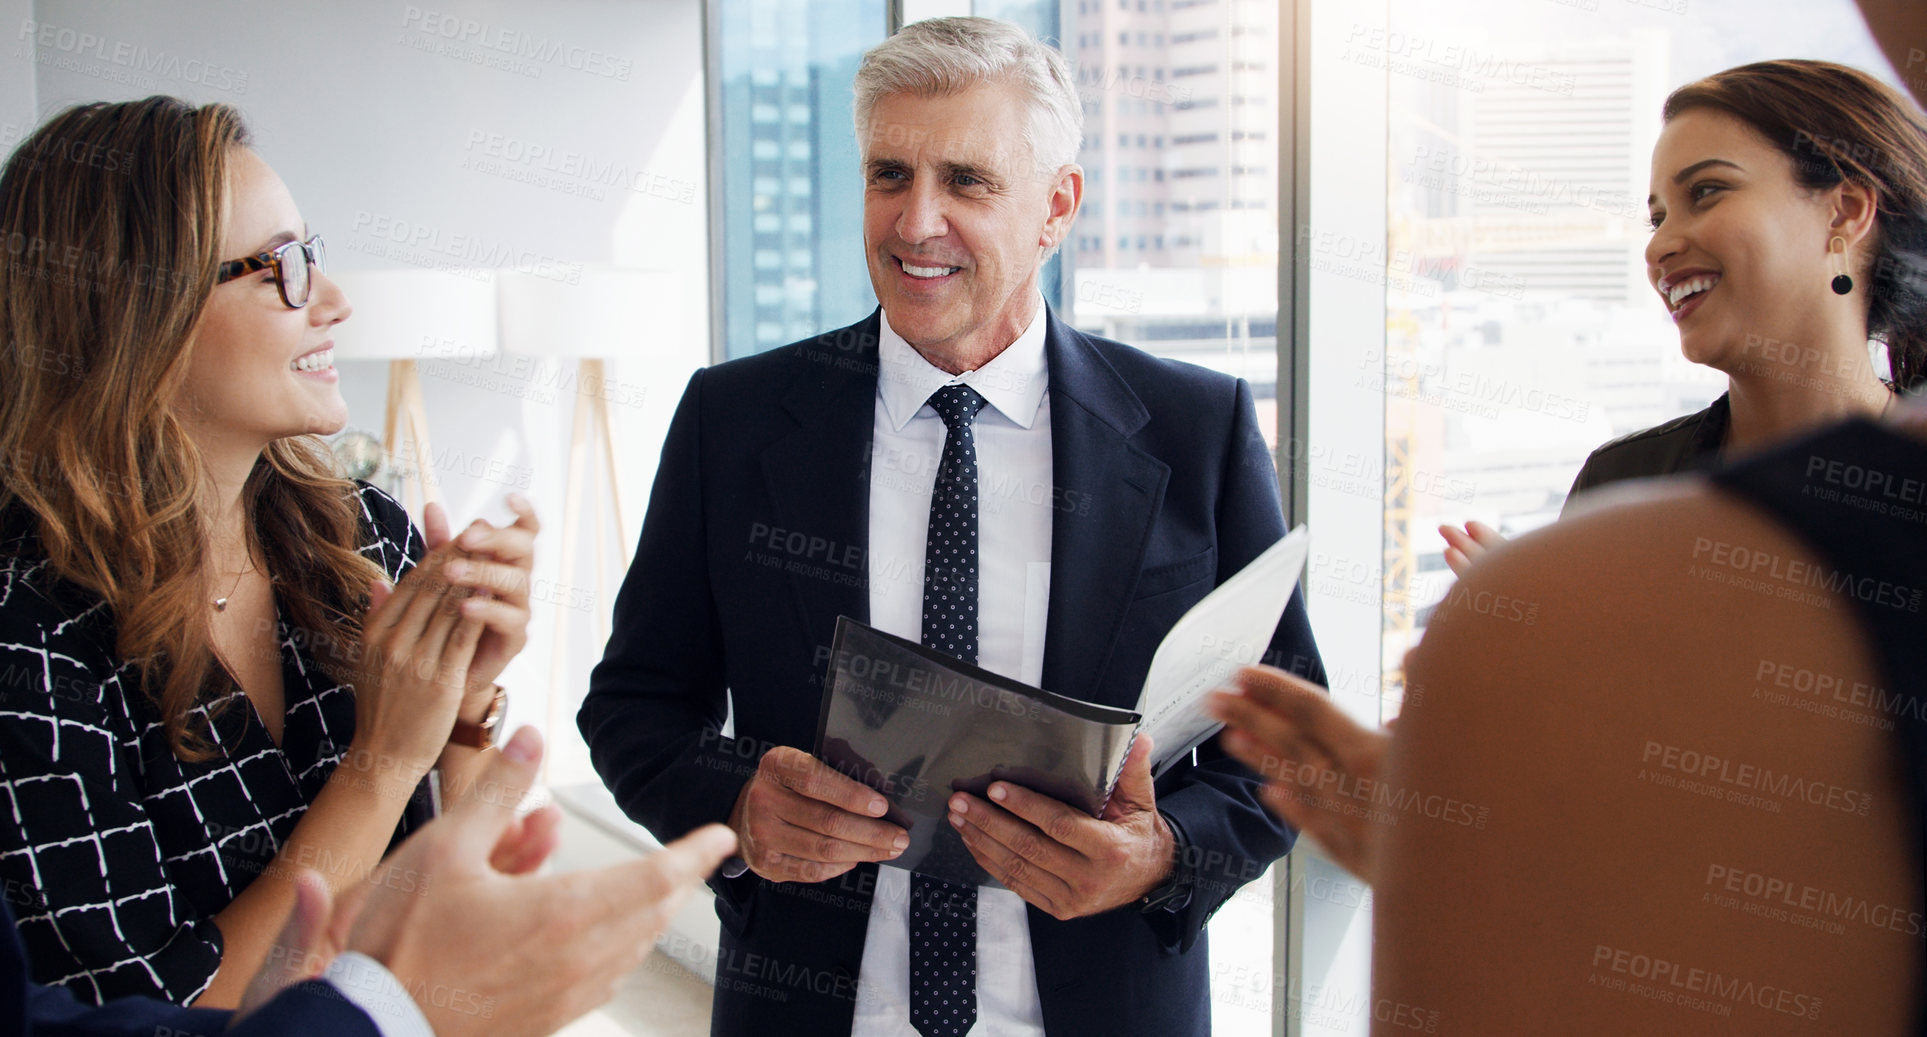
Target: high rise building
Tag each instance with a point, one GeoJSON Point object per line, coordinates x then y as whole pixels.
{"type": "Point", "coordinates": [1177, 246]}
{"type": "Point", "coordinates": [1563, 141]}
{"type": "Point", "coordinates": [1180, 110]}
{"type": "Point", "coordinates": [792, 188]}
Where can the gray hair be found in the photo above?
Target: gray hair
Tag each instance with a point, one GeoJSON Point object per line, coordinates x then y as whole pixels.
{"type": "Point", "coordinates": [944, 56]}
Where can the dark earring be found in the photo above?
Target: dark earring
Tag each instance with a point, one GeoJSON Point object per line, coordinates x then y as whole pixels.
{"type": "Point", "coordinates": [1842, 284]}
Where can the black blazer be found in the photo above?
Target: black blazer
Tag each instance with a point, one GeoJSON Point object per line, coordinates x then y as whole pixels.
{"type": "Point", "coordinates": [1685, 444]}
{"type": "Point", "coordinates": [753, 545]}
{"type": "Point", "coordinates": [31, 1010]}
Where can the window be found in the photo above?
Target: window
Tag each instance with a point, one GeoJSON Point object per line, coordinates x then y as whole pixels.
{"type": "Point", "coordinates": [798, 137]}
{"type": "Point", "coordinates": [1566, 144]}
{"type": "Point", "coordinates": [1476, 311]}
{"type": "Point", "coordinates": [1188, 283]}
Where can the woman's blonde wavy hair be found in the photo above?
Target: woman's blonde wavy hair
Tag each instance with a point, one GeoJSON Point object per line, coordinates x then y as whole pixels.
{"type": "Point", "coordinates": [111, 222]}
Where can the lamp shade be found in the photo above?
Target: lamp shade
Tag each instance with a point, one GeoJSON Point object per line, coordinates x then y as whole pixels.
{"type": "Point", "coordinates": [603, 314]}
{"type": "Point", "coordinates": [417, 314]}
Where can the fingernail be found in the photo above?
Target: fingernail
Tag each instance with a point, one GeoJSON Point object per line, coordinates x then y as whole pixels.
{"type": "Point", "coordinates": [956, 821]}
{"type": "Point", "coordinates": [516, 500]}
{"type": "Point", "coordinates": [524, 747]}
{"type": "Point", "coordinates": [997, 793]}
{"type": "Point", "coordinates": [960, 805]}
{"type": "Point", "coordinates": [877, 807]}
{"type": "Point", "coordinates": [901, 842]}
{"type": "Point", "coordinates": [456, 569]}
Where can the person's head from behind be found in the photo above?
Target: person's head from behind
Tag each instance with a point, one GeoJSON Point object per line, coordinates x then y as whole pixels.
{"type": "Point", "coordinates": [968, 131]}
{"type": "Point", "coordinates": [151, 345]}
{"type": "Point", "coordinates": [1900, 27]}
{"type": "Point", "coordinates": [1768, 182]}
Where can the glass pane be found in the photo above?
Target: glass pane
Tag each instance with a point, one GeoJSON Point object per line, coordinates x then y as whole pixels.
{"type": "Point", "coordinates": [793, 253]}
{"type": "Point", "coordinates": [1521, 333]}
{"type": "Point", "coordinates": [1478, 311]}
{"type": "Point", "coordinates": [1176, 252]}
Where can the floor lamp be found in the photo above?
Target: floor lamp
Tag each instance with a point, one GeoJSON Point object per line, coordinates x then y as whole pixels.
{"type": "Point", "coordinates": [606, 313]}
{"type": "Point", "coordinates": [405, 317]}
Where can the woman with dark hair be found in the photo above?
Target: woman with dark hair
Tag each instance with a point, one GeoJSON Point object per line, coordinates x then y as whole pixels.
{"type": "Point", "coordinates": [1692, 799]}
{"type": "Point", "coordinates": [208, 681]}
{"type": "Point", "coordinates": [1789, 211]}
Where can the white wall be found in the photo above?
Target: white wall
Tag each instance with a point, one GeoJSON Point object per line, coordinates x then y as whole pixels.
{"type": "Point", "coordinates": [428, 134]}
{"type": "Point", "coordinates": [17, 109]}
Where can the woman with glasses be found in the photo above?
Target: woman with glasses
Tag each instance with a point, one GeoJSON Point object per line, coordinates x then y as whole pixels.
{"type": "Point", "coordinates": [219, 662]}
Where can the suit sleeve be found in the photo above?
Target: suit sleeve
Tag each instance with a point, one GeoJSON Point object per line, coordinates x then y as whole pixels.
{"type": "Point", "coordinates": [33, 1010]}
{"type": "Point", "coordinates": [656, 701]}
{"type": "Point", "coordinates": [1229, 837]}
{"type": "Point", "coordinates": [53, 1012]}
{"type": "Point", "coordinates": [313, 1007]}
{"type": "Point", "coordinates": [308, 1010]}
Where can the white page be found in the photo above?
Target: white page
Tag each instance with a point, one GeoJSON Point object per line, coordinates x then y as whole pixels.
{"type": "Point", "coordinates": [1227, 631]}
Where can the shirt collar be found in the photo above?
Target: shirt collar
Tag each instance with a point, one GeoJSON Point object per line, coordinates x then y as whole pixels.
{"type": "Point", "coordinates": [1014, 382]}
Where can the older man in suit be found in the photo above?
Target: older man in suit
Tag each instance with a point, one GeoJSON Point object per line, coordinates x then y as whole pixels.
{"type": "Point", "coordinates": [963, 468]}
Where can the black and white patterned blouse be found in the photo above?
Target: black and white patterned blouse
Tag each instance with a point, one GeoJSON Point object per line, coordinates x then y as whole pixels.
{"type": "Point", "coordinates": [115, 855]}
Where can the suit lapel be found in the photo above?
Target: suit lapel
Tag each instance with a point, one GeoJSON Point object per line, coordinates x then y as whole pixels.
{"type": "Point", "coordinates": [1109, 494]}
{"type": "Point", "coordinates": [819, 475]}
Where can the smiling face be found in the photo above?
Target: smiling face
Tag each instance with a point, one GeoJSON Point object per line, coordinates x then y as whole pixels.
{"type": "Point", "coordinates": [957, 219]}
{"type": "Point", "coordinates": [260, 371]}
{"type": "Point", "coordinates": [1739, 248]}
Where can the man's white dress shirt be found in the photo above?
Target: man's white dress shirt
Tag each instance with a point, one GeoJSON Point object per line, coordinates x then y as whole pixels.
{"type": "Point", "coordinates": [1014, 509]}
{"type": "Point", "coordinates": [375, 990]}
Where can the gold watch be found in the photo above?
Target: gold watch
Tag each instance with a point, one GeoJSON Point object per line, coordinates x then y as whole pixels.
{"type": "Point", "coordinates": [482, 735]}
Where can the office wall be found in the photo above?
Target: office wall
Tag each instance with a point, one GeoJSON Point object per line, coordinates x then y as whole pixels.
{"type": "Point", "coordinates": [16, 73]}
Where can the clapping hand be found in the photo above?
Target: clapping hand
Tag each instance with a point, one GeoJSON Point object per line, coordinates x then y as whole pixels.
{"type": "Point", "coordinates": [1287, 729]}
{"type": "Point", "coordinates": [486, 946]}
{"type": "Point", "coordinates": [1466, 546]}
{"type": "Point", "coordinates": [493, 565]}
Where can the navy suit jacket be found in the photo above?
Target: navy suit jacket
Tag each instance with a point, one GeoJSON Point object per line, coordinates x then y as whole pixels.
{"type": "Point", "coordinates": [754, 543]}
{"type": "Point", "coordinates": [307, 1009]}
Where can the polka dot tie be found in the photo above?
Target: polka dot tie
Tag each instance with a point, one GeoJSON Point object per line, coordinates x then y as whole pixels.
{"type": "Point", "coordinates": [943, 915]}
